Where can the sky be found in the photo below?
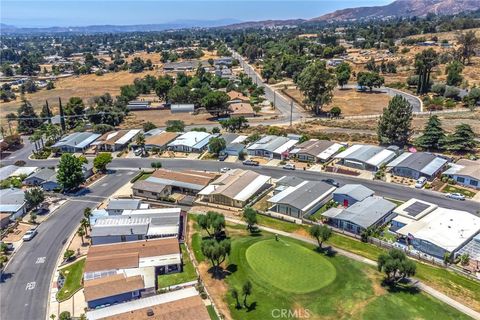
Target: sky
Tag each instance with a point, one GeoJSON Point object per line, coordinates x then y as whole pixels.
{"type": "Point", "coordinates": [40, 13]}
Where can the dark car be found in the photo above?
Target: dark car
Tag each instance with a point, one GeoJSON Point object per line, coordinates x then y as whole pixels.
{"type": "Point", "coordinates": [222, 157]}
{"type": "Point", "coordinates": [332, 182]}
{"type": "Point", "coordinates": [251, 163]}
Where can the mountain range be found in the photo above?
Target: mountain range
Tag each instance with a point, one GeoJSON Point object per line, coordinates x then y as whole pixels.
{"type": "Point", "coordinates": [398, 8]}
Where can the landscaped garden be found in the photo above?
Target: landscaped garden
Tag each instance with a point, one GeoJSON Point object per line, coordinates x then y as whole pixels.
{"type": "Point", "coordinates": [453, 189]}
{"type": "Point", "coordinates": [73, 275]}
{"type": "Point", "coordinates": [288, 274]}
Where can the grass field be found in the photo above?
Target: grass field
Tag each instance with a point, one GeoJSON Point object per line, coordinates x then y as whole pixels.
{"type": "Point", "coordinates": [73, 280]}
{"type": "Point", "coordinates": [188, 273]}
{"type": "Point", "coordinates": [277, 262]}
{"type": "Point", "coordinates": [328, 287]}
{"type": "Point", "coordinates": [450, 283]}
{"type": "Point", "coordinates": [454, 189]}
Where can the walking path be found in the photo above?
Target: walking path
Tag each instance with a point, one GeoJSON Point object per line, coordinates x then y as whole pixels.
{"type": "Point", "coordinates": [431, 291]}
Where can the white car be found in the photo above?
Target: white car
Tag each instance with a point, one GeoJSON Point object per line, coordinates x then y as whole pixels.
{"type": "Point", "coordinates": [289, 166]}
{"type": "Point", "coordinates": [30, 234]}
{"type": "Point", "coordinates": [456, 196]}
{"type": "Point", "coordinates": [223, 170]}
{"type": "Point", "coordinates": [420, 182]}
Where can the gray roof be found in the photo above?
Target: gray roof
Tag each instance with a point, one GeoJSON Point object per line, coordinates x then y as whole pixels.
{"type": "Point", "coordinates": [269, 143]}
{"type": "Point", "coordinates": [188, 64]}
{"type": "Point", "coordinates": [364, 154]}
{"type": "Point", "coordinates": [77, 140]}
{"type": "Point", "coordinates": [355, 191]}
{"type": "Point", "coordinates": [11, 199]}
{"type": "Point", "coordinates": [367, 212]}
{"type": "Point", "coordinates": [6, 171]}
{"type": "Point", "coordinates": [125, 204]}
{"type": "Point", "coordinates": [45, 175]}
{"type": "Point", "coordinates": [424, 162]}
{"type": "Point", "coordinates": [304, 196]}
{"type": "Point", "coordinates": [148, 186]}
{"type": "Point", "coordinates": [178, 184]}
{"type": "Point", "coordinates": [290, 181]}
{"type": "Point", "coordinates": [119, 230]}
{"type": "Point", "coordinates": [229, 137]}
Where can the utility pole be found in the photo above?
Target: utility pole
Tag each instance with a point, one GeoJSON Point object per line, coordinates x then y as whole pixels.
{"type": "Point", "coordinates": [291, 112]}
{"type": "Point", "coordinates": [274, 97]}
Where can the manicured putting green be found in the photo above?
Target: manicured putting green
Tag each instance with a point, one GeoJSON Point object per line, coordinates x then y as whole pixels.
{"type": "Point", "coordinates": [289, 266]}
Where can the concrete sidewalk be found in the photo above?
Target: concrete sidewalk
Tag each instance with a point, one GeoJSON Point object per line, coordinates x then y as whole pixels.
{"type": "Point", "coordinates": [431, 291]}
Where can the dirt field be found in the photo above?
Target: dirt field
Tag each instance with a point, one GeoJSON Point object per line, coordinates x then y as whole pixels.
{"type": "Point", "coordinates": [85, 87]}
{"type": "Point", "coordinates": [350, 101]}
{"type": "Point", "coordinates": [159, 117]}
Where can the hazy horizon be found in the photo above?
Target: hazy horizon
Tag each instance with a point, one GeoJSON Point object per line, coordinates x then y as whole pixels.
{"type": "Point", "coordinates": [72, 13]}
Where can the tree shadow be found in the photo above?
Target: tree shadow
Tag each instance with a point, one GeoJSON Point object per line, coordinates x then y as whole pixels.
{"type": "Point", "coordinates": [327, 251]}
{"type": "Point", "coordinates": [255, 232]}
{"type": "Point", "coordinates": [404, 286]}
{"type": "Point", "coordinates": [252, 306]}
{"type": "Point", "coordinates": [220, 273]}
{"type": "Point", "coordinates": [6, 276]}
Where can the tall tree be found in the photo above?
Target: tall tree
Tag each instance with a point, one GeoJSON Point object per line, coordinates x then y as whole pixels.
{"type": "Point", "coordinates": [396, 266]}
{"type": "Point", "coordinates": [370, 80]}
{"type": "Point", "coordinates": [432, 135]}
{"type": "Point", "coordinates": [213, 222]}
{"type": "Point", "coordinates": [27, 118]}
{"type": "Point", "coordinates": [317, 83]}
{"type": "Point", "coordinates": [62, 115]}
{"type": "Point", "coordinates": [216, 102]}
{"type": "Point", "coordinates": [70, 173]}
{"type": "Point", "coordinates": [343, 72]}
{"type": "Point", "coordinates": [321, 233]}
{"type": "Point", "coordinates": [468, 43]}
{"type": "Point", "coordinates": [236, 295]}
{"type": "Point", "coordinates": [454, 73]}
{"type": "Point", "coordinates": [463, 139]}
{"type": "Point", "coordinates": [246, 290]}
{"type": "Point", "coordinates": [81, 233]}
{"type": "Point", "coordinates": [102, 160]}
{"type": "Point", "coordinates": [45, 113]}
{"type": "Point", "coordinates": [216, 251]}
{"type": "Point", "coordinates": [34, 196]}
{"type": "Point", "coordinates": [425, 61]}
{"type": "Point", "coordinates": [216, 145]}
{"type": "Point", "coordinates": [250, 216]}
{"type": "Point", "coordinates": [394, 125]}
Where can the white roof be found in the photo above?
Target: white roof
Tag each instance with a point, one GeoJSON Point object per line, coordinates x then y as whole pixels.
{"type": "Point", "coordinates": [446, 228]}
{"type": "Point", "coordinates": [127, 136]}
{"type": "Point", "coordinates": [190, 138]}
{"type": "Point", "coordinates": [239, 139]}
{"type": "Point", "coordinates": [152, 211]}
{"type": "Point", "coordinates": [141, 303]}
{"type": "Point", "coordinates": [330, 151]}
{"type": "Point", "coordinates": [381, 157]}
{"type": "Point", "coordinates": [349, 151]}
{"type": "Point", "coordinates": [252, 188]}
{"type": "Point", "coordinates": [287, 145]}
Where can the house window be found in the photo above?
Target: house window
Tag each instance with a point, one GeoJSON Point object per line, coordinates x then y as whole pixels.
{"type": "Point", "coordinates": [461, 179]}
{"type": "Point", "coordinates": [474, 183]}
{"type": "Point", "coordinates": [140, 191]}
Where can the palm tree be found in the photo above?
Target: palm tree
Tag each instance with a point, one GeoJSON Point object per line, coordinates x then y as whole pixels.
{"type": "Point", "coordinates": [87, 213]}
{"type": "Point", "coordinates": [81, 234]}
{"type": "Point", "coordinates": [235, 296]}
{"type": "Point", "coordinates": [246, 290]}
{"type": "Point", "coordinates": [85, 224]}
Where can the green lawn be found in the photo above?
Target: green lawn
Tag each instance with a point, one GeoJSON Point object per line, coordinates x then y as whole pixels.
{"type": "Point", "coordinates": [345, 289]}
{"type": "Point", "coordinates": [212, 313]}
{"type": "Point", "coordinates": [453, 284]}
{"type": "Point", "coordinates": [144, 176]}
{"type": "Point", "coordinates": [277, 262]}
{"type": "Point", "coordinates": [73, 280]}
{"type": "Point", "coordinates": [196, 247]}
{"type": "Point", "coordinates": [452, 189]}
{"type": "Point", "coordinates": [188, 273]}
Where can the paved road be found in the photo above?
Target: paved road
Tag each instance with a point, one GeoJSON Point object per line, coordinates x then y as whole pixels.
{"type": "Point", "coordinates": [414, 101]}
{"type": "Point", "coordinates": [390, 190]}
{"type": "Point", "coordinates": [25, 283]}
{"type": "Point", "coordinates": [286, 106]}
{"type": "Point", "coordinates": [21, 154]}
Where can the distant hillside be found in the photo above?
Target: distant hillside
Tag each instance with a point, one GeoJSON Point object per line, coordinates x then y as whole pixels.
{"type": "Point", "coordinates": [184, 24]}
{"type": "Point", "coordinates": [265, 24]}
{"type": "Point", "coordinates": [403, 8]}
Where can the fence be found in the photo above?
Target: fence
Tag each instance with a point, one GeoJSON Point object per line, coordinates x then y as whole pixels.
{"type": "Point", "coordinates": [416, 113]}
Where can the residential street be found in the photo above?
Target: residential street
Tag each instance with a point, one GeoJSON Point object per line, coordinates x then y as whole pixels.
{"type": "Point", "coordinates": [25, 283]}
{"type": "Point", "coordinates": [390, 190]}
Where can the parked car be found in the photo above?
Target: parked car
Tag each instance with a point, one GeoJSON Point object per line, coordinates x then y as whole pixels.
{"type": "Point", "coordinates": [420, 182]}
{"type": "Point", "coordinates": [331, 182]}
{"type": "Point", "coordinates": [222, 157]}
{"type": "Point", "coordinates": [30, 234]}
{"type": "Point", "coordinates": [138, 152]}
{"type": "Point", "coordinates": [289, 166]}
{"type": "Point", "coordinates": [251, 163]}
{"type": "Point", "coordinates": [223, 170]}
{"type": "Point", "coordinates": [456, 196]}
